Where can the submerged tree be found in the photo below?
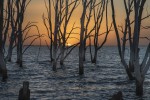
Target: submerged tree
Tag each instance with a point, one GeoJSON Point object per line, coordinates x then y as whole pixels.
{"type": "Point", "coordinates": [92, 10]}
{"type": "Point", "coordinates": [139, 70]}
{"type": "Point", "coordinates": [58, 34]}
{"type": "Point", "coordinates": [13, 25]}
{"type": "Point", "coordinates": [18, 33]}
{"type": "Point", "coordinates": [88, 19]}
{"type": "Point", "coordinates": [64, 34]}
{"type": "Point", "coordinates": [49, 26]}
{"type": "Point", "coordinates": [84, 33]}
{"type": "Point", "coordinates": [3, 69]}
{"type": "Point", "coordinates": [21, 7]}
{"type": "Point", "coordinates": [98, 19]}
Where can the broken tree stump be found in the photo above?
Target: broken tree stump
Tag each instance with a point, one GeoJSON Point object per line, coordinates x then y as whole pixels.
{"type": "Point", "coordinates": [117, 96]}
{"type": "Point", "coordinates": [24, 92]}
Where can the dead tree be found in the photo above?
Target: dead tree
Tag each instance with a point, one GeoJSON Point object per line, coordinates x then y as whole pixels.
{"type": "Point", "coordinates": [98, 19]}
{"type": "Point", "coordinates": [121, 51]}
{"type": "Point", "coordinates": [13, 33]}
{"type": "Point", "coordinates": [58, 34]}
{"type": "Point", "coordinates": [49, 26]}
{"type": "Point", "coordinates": [14, 23]}
{"type": "Point", "coordinates": [3, 69]}
{"type": "Point", "coordinates": [140, 70]}
{"type": "Point", "coordinates": [64, 35]}
{"type": "Point", "coordinates": [21, 6]}
{"type": "Point", "coordinates": [53, 31]}
{"type": "Point", "coordinates": [81, 47]}
{"type": "Point", "coordinates": [88, 20]}
{"type": "Point", "coordinates": [87, 6]}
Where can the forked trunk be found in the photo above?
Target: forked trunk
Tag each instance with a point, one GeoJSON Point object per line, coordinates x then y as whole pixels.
{"type": "Point", "coordinates": [128, 71]}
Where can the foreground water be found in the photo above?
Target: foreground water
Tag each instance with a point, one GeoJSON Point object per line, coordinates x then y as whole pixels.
{"type": "Point", "coordinates": [100, 81]}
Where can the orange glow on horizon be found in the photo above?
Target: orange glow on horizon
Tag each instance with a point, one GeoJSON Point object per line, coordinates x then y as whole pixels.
{"type": "Point", "coordinates": [36, 9]}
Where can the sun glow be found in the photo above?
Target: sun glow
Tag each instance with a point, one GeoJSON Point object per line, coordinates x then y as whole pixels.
{"type": "Point", "coordinates": [68, 44]}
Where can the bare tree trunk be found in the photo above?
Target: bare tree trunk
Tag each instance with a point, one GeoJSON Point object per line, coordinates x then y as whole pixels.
{"type": "Point", "coordinates": [119, 43]}
{"type": "Point", "coordinates": [90, 46]}
{"type": "Point", "coordinates": [138, 7]}
{"type": "Point", "coordinates": [19, 50]}
{"type": "Point", "coordinates": [81, 47]}
{"type": "Point", "coordinates": [10, 48]}
{"type": "Point", "coordinates": [54, 53]}
{"type": "Point", "coordinates": [51, 51]}
{"type": "Point", "coordinates": [3, 69]}
{"type": "Point", "coordinates": [84, 57]}
{"type": "Point", "coordinates": [55, 35]}
{"type": "Point", "coordinates": [14, 24]}
{"type": "Point", "coordinates": [131, 65]}
{"type": "Point", "coordinates": [139, 87]}
{"type": "Point", "coordinates": [81, 56]}
{"type": "Point", "coordinates": [95, 56]}
{"type": "Point", "coordinates": [62, 54]}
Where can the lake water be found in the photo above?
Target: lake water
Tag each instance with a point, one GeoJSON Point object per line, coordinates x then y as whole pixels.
{"type": "Point", "coordinates": [100, 81]}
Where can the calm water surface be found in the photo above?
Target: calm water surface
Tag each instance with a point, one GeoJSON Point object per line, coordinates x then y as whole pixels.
{"type": "Point", "coordinates": [99, 82]}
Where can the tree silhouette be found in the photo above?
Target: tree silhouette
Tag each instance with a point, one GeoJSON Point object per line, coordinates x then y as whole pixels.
{"type": "Point", "coordinates": [3, 69]}
{"type": "Point", "coordinates": [98, 11]}
{"type": "Point", "coordinates": [59, 34]}
{"type": "Point", "coordinates": [134, 65]}
{"type": "Point", "coordinates": [83, 32]}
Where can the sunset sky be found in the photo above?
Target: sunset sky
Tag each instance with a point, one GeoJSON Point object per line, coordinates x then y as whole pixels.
{"type": "Point", "coordinates": [37, 7]}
